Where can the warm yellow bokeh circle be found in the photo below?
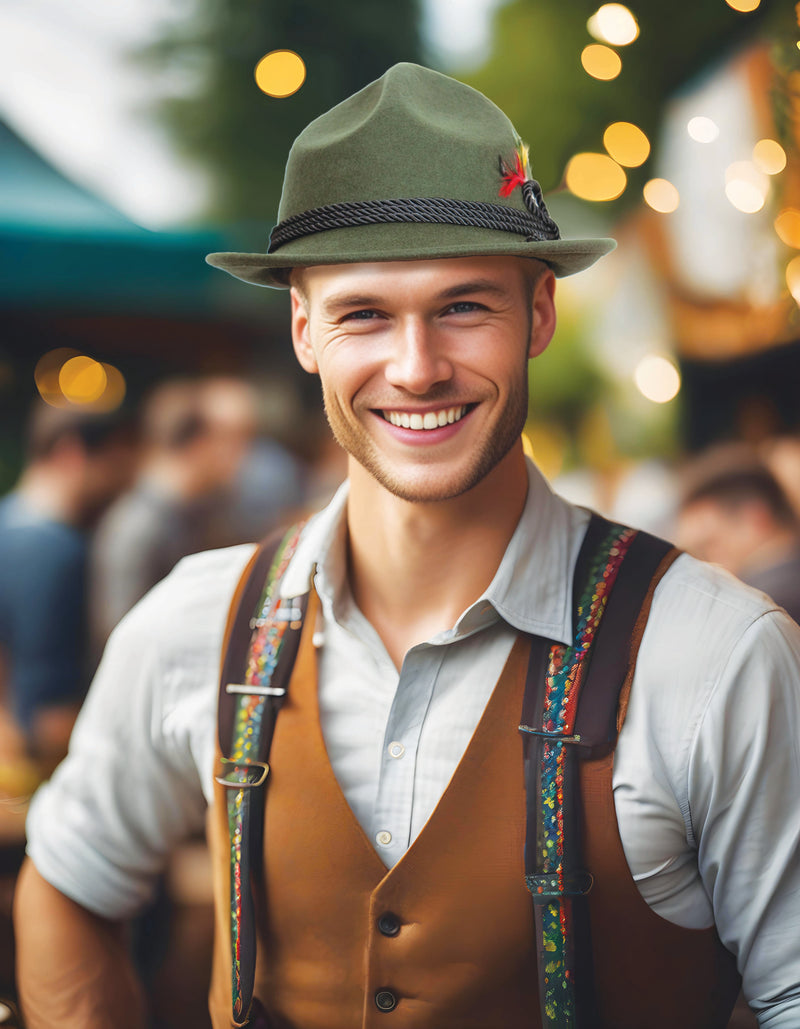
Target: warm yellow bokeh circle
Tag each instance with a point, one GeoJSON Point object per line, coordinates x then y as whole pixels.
{"type": "Point", "coordinates": [280, 73]}
{"type": "Point", "coordinates": [82, 379]}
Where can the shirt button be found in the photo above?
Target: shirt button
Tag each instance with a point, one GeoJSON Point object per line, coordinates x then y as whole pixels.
{"type": "Point", "coordinates": [384, 838]}
{"type": "Point", "coordinates": [385, 1000]}
{"type": "Point", "coordinates": [389, 924]}
{"type": "Point", "coordinates": [396, 749]}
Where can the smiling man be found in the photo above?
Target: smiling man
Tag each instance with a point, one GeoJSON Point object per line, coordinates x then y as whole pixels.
{"type": "Point", "coordinates": [483, 810]}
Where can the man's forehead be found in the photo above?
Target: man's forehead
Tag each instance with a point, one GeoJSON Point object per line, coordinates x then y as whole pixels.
{"type": "Point", "coordinates": [438, 275]}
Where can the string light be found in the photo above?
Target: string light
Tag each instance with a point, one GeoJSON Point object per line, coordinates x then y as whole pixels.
{"type": "Point", "coordinates": [595, 177]}
{"type": "Point", "coordinates": [702, 130]}
{"type": "Point", "coordinates": [746, 187]}
{"type": "Point", "coordinates": [661, 195]}
{"type": "Point", "coordinates": [787, 226]}
{"type": "Point", "coordinates": [657, 379]}
{"type": "Point", "coordinates": [614, 24]}
{"type": "Point", "coordinates": [793, 278]}
{"type": "Point", "coordinates": [626, 144]}
{"type": "Point", "coordinates": [743, 6]}
{"type": "Point", "coordinates": [65, 378]}
{"type": "Point", "coordinates": [280, 73]}
{"type": "Point", "coordinates": [769, 156]}
{"type": "Point", "coordinates": [601, 62]}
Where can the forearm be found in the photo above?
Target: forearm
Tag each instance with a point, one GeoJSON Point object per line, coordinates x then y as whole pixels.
{"type": "Point", "coordinates": [73, 968]}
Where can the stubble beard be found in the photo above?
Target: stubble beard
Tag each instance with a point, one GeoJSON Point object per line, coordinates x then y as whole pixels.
{"type": "Point", "coordinates": [438, 486]}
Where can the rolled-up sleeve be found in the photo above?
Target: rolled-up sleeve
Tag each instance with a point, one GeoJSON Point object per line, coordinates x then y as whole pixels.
{"type": "Point", "coordinates": [138, 773]}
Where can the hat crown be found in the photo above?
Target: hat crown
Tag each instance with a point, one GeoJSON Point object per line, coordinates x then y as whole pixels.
{"type": "Point", "coordinates": [411, 133]}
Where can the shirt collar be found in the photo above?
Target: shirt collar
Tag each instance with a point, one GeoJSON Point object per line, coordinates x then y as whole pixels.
{"type": "Point", "coordinates": [531, 591]}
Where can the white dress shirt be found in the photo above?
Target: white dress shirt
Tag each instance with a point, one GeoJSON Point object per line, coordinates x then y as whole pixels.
{"type": "Point", "coordinates": [707, 770]}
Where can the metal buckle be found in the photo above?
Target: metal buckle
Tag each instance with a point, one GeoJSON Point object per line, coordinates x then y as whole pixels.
{"type": "Point", "coordinates": [255, 691]}
{"type": "Point", "coordinates": [555, 737]}
{"type": "Point", "coordinates": [246, 784]}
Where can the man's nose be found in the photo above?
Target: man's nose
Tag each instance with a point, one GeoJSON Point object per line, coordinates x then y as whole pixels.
{"type": "Point", "coordinates": [417, 362]}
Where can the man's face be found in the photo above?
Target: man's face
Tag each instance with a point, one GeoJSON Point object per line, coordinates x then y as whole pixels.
{"type": "Point", "coordinates": [424, 363]}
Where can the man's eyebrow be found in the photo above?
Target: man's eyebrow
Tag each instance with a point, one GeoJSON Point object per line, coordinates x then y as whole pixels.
{"type": "Point", "coordinates": [344, 301]}
{"type": "Point", "coordinates": [462, 289]}
{"type": "Point", "coordinates": [347, 301]}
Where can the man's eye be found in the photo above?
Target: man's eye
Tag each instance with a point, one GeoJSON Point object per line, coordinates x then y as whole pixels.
{"type": "Point", "coordinates": [361, 316]}
{"type": "Point", "coordinates": [465, 307]}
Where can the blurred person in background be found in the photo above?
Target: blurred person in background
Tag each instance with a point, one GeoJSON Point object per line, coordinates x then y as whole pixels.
{"type": "Point", "coordinates": [734, 513]}
{"type": "Point", "coordinates": [194, 437]}
{"type": "Point", "coordinates": [76, 463]}
{"type": "Point", "coordinates": [260, 479]}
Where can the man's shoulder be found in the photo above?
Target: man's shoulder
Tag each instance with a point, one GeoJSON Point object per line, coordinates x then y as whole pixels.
{"type": "Point", "coordinates": [189, 606]}
{"type": "Point", "coordinates": [701, 614]}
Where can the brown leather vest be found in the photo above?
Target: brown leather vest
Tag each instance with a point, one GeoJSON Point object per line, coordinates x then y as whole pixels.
{"type": "Point", "coordinates": [463, 957]}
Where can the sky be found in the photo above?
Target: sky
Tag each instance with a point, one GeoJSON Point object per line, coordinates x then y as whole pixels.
{"type": "Point", "coordinates": [66, 88]}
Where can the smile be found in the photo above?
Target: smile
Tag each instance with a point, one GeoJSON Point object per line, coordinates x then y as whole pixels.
{"type": "Point", "coordinates": [429, 420]}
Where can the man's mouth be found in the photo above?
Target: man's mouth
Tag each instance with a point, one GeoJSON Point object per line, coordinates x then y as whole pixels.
{"type": "Point", "coordinates": [429, 420]}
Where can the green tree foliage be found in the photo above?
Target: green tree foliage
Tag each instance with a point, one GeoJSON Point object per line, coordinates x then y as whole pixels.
{"type": "Point", "coordinates": [534, 72]}
{"type": "Point", "coordinates": [227, 125]}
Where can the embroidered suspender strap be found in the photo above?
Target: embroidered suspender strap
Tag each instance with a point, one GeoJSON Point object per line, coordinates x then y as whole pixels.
{"type": "Point", "coordinates": [568, 714]}
{"type": "Point", "coordinates": [263, 644]}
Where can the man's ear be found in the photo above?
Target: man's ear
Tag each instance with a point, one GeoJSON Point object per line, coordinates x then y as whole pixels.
{"type": "Point", "coordinates": [543, 314]}
{"type": "Point", "coordinates": [301, 339]}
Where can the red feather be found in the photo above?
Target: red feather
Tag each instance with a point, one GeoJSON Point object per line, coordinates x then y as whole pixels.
{"type": "Point", "coordinates": [513, 177]}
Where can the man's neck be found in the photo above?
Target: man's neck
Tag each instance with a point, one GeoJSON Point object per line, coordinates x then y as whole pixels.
{"type": "Point", "coordinates": [415, 567]}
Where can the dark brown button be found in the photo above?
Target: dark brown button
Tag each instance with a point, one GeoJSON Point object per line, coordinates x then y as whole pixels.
{"type": "Point", "coordinates": [385, 1000]}
{"type": "Point", "coordinates": [389, 924]}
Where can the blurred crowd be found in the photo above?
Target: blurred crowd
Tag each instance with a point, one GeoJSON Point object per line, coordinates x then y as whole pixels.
{"type": "Point", "coordinates": [106, 504]}
{"type": "Point", "coordinates": [104, 507]}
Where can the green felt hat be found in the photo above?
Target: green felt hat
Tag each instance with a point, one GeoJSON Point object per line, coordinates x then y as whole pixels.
{"type": "Point", "coordinates": [414, 166]}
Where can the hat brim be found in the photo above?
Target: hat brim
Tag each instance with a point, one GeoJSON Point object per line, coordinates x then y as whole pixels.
{"type": "Point", "coordinates": [405, 242]}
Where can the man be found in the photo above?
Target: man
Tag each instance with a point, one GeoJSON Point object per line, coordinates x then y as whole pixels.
{"type": "Point", "coordinates": [76, 463]}
{"type": "Point", "coordinates": [734, 512]}
{"type": "Point", "coordinates": [395, 817]}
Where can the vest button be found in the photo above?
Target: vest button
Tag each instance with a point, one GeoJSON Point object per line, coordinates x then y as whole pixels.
{"type": "Point", "coordinates": [385, 1000]}
{"type": "Point", "coordinates": [389, 924]}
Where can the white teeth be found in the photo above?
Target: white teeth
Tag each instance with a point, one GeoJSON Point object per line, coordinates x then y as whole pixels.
{"type": "Point", "coordinates": [430, 420]}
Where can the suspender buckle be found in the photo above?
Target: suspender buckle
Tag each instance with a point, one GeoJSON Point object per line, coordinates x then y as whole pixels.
{"type": "Point", "coordinates": [255, 774]}
{"type": "Point", "coordinates": [554, 737]}
{"type": "Point", "coordinates": [547, 887]}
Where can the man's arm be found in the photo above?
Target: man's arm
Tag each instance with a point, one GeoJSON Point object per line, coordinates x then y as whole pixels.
{"type": "Point", "coordinates": [73, 968]}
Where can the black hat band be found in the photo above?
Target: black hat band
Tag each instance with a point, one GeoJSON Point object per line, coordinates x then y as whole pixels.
{"type": "Point", "coordinates": [536, 224]}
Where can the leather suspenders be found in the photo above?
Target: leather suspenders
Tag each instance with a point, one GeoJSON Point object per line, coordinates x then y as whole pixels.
{"type": "Point", "coordinates": [563, 723]}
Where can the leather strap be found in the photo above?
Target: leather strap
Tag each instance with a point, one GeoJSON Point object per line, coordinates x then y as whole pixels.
{"type": "Point", "coordinates": [256, 670]}
{"type": "Point", "coordinates": [569, 714]}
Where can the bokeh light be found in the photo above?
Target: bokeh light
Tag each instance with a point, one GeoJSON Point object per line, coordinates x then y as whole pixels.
{"type": "Point", "coordinates": [614, 24]}
{"type": "Point", "coordinates": [746, 187]}
{"type": "Point", "coordinates": [114, 393]}
{"type": "Point", "coordinates": [661, 195]}
{"type": "Point", "coordinates": [626, 143]}
{"type": "Point", "coordinates": [601, 62]}
{"type": "Point", "coordinates": [82, 379]}
{"type": "Point", "coordinates": [657, 379]}
{"type": "Point", "coordinates": [769, 156]}
{"type": "Point", "coordinates": [595, 177]}
{"type": "Point", "coordinates": [793, 278]}
{"type": "Point", "coordinates": [46, 373]}
{"type": "Point", "coordinates": [743, 6]}
{"type": "Point", "coordinates": [702, 129]}
{"type": "Point", "coordinates": [787, 226]}
{"type": "Point", "coordinates": [280, 73]}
